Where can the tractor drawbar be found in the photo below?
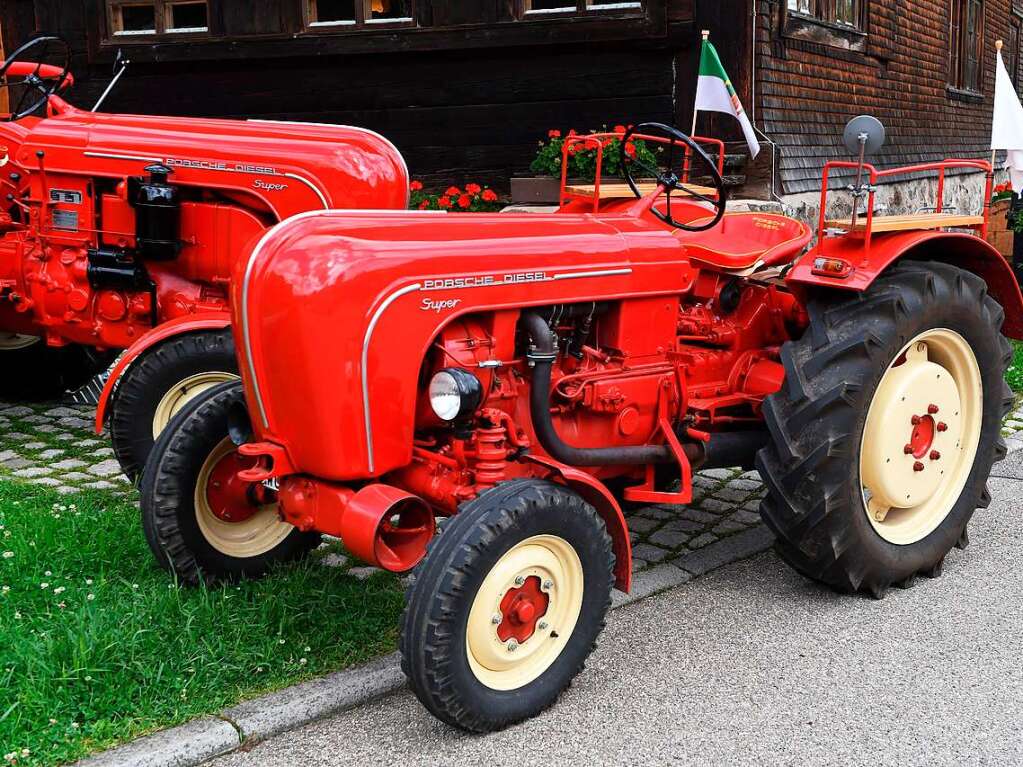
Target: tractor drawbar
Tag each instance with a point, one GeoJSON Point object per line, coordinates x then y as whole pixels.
{"type": "Point", "coordinates": [723, 450]}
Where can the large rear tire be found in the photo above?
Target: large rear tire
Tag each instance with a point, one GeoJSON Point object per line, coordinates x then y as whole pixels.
{"type": "Point", "coordinates": [884, 434]}
{"type": "Point", "coordinates": [200, 521]}
{"type": "Point", "coordinates": [35, 372]}
{"type": "Point", "coordinates": [507, 605]}
{"type": "Point", "coordinates": [159, 384]}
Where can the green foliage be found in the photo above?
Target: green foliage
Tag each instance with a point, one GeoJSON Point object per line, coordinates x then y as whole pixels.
{"type": "Point", "coordinates": [1014, 375]}
{"type": "Point", "coordinates": [99, 645]}
{"type": "Point", "coordinates": [582, 157]}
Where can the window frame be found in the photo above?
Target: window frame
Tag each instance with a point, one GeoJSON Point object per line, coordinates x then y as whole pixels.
{"type": "Point", "coordinates": [161, 14]}
{"type": "Point", "coordinates": [362, 21]}
{"type": "Point", "coordinates": [958, 47]}
{"type": "Point", "coordinates": [576, 8]}
{"type": "Point", "coordinates": [826, 12]}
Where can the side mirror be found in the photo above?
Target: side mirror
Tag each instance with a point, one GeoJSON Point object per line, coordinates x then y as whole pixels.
{"type": "Point", "coordinates": [863, 135]}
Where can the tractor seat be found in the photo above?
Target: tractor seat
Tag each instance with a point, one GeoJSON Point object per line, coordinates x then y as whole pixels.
{"type": "Point", "coordinates": [742, 240]}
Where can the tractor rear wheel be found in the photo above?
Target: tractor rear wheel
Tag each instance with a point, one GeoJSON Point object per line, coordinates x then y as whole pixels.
{"type": "Point", "coordinates": [201, 522]}
{"type": "Point", "coordinates": [884, 434]}
{"type": "Point", "coordinates": [507, 605]}
{"type": "Point", "coordinates": [34, 371]}
{"type": "Point", "coordinates": [159, 384]}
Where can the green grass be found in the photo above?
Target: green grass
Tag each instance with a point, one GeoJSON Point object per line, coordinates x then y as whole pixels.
{"type": "Point", "coordinates": [1014, 375]}
{"type": "Point", "coordinates": [98, 645]}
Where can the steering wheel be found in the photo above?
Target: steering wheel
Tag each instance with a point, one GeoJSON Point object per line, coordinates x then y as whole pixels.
{"type": "Point", "coordinates": [668, 180]}
{"type": "Point", "coordinates": [44, 80]}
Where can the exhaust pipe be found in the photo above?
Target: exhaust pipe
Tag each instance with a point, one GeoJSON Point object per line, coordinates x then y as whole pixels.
{"type": "Point", "coordinates": [379, 524]}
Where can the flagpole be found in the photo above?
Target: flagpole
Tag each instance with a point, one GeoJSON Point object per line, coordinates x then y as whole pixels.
{"type": "Point", "coordinates": [998, 52]}
{"type": "Point", "coordinates": [706, 37]}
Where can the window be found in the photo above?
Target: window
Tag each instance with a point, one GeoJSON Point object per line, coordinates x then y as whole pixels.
{"type": "Point", "coordinates": [157, 17]}
{"type": "Point", "coordinates": [847, 13]}
{"type": "Point", "coordinates": [966, 36]}
{"type": "Point", "coordinates": [339, 13]}
{"type": "Point", "coordinates": [577, 7]}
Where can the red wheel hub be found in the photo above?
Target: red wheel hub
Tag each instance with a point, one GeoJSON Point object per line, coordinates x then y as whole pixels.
{"type": "Point", "coordinates": [922, 438]}
{"type": "Point", "coordinates": [521, 608]}
{"type": "Point", "coordinates": [231, 499]}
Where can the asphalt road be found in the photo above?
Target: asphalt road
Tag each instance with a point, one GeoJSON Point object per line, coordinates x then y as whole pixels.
{"type": "Point", "coordinates": [754, 665]}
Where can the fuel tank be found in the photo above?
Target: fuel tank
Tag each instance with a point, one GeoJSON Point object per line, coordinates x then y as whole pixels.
{"type": "Point", "coordinates": [334, 312]}
{"type": "Point", "coordinates": [292, 167]}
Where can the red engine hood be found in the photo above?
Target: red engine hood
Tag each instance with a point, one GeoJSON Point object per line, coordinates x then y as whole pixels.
{"type": "Point", "coordinates": [334, 312]}
{"type": "Point", "coordinates": [293, 167]}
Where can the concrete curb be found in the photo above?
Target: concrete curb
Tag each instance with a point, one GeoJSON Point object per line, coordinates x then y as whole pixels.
{"type": "Point", "coordinates": [261, 718]}
{"type": "Point", "coordinates": [255, 720]}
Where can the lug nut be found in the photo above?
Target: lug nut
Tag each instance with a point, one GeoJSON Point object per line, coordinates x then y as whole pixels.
{"type": "Point", "coordinates": [907, 449]}
{"type": "Point", "coordinates": [542, 625]}
{"type": "Point", "coordinates": [513, 645]}
{"type": "Point", "coordinates": [496, 619]}
{"type": "Point", "coordinates": [915, 420]}
{"type": "Point", "coordinates": [519, 580]}
{"type": "Point", "coordinates": [548, 585]}
{"type": "Point", "coordinates": [935, 455]}
{"type": "Point", "coordinates": [932, 409]}
{"type": "Point", "coordinates": [918, 466]}
{"type": "Point", "coordinates": [942, 426]}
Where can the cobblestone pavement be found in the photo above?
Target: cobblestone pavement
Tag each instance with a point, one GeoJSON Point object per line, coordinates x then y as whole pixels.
{"type": "Point", "coordinates": [55, 446]}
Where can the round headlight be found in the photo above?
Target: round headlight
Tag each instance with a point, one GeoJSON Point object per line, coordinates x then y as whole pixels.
{"type": "Point", "coordinates": [454, 394]}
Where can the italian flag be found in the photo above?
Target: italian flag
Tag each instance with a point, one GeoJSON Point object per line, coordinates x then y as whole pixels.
{"type": "Point", "coordinates": [715, 93]}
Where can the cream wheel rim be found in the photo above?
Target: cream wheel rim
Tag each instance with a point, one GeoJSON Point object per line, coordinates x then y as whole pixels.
{"type": "Point", "coordinates": [184, 392]}
{"type": "Point", "coordinates": [10, 342]}
{"type": "Point", "coordinates": [250, 537]}
{"type": "Point", "coordinates": [510, 665]}
{"type": "Point", "coordinates": [921, 436]}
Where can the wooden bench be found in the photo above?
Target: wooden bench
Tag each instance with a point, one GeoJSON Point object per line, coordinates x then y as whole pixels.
{"type": "Point", "coordinates": [617, 190]}
{"type": "Point", "coordinates": [908, 222]}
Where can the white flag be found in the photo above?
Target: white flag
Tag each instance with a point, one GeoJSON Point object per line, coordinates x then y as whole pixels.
{"type": "Point", "coordinates": [714, 93]}
{"type": "Point", "coordinates": [1007, 124]}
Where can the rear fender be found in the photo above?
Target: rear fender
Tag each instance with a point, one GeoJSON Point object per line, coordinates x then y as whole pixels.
{"type": "Point", "coordinates": [594, 492]}
{"type": "Point", "coordinates": [963, 250]}
{"type": "Point", "coordinates": [179, 326]}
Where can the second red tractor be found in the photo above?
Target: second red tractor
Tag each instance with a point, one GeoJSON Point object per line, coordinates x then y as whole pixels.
{"type": "Point", "coordinates": [122, 232]}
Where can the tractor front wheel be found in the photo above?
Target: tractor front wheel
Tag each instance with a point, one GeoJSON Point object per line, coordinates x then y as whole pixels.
{"type": "Point", "coordinates": [201, 521]}
{"type": "Point", "coordinates": [34, 371]}
{"type": "Point", "coordinates": [884, 434]}
{"type": "Point", "coordinates": [159, 384]}
{"type": "Point", "coordinates": [507, 605]}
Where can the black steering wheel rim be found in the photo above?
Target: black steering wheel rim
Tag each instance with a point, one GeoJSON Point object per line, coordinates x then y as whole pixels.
{"type": "Point", "coordinates": [45, 86]}
{"type": "Point", "coordinates": [669, 180]}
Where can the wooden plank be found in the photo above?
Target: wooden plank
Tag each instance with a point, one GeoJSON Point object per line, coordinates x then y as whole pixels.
{"type": "Point", "coordinates": [909, 222]}
{"type": "Point", "coordinates": [619, 190]}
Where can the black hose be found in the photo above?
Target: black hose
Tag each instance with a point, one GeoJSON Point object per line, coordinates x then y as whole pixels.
{"type": "Point", "coordinates": [725, 449]}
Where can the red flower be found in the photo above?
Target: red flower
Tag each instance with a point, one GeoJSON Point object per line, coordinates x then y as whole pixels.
{"type": "Point", "coordinates": [489, 195]}
{"type": "Point", "coordinates": [572, 132]}
{"type": "Point", "coordinates": [444, 202]}
{"type": "Point", "coordinates": [573, 149]}
{"type": "Point", "coordinates": [473, 188]}
{"type": "Point", "coordinates": [424, 205]}
{"type": "Point", "coordinates": [453, 191]}
{"type": "Point", "coordinates": [416, 186]}
{"type": "Point", "coordinates": [619, 129]}
{"type": "Point", "coordinates": [630, 149]}
{"type": "Point", "coordinates": [553, 134]}
{"type": "Point", "coordinates": [464, 201]}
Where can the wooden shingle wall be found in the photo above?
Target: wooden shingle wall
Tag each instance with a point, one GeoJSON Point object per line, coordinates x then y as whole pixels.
{"type": "Point", "coordinates": [810, 82]}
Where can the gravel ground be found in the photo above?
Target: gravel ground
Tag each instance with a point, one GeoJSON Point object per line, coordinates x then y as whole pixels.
{"type": "Point", "coordinates": [754, 665]}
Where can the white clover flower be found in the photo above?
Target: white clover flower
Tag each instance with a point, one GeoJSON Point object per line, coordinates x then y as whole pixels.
{"type": "Point", "coordinates": [5, 589]}
{"type": "Point", "coordinates": [44, 585]}
{"type": "Point", "coordinates": [59, 590]}
{"type": "Point", "coordinates": [280, 641]}
{"type": "Point", "coordinates": [90, 597]}
{"type": "Point", "coordinates": [47, 573]}
{"type": "Point", "coordinates": [88, 581]}
{"type": "Point", "coordinates": [8, 554]}
{"type": "Point", "coordinates": [302, 661]}
{"type": "Point", "coordinates": [134, 585]}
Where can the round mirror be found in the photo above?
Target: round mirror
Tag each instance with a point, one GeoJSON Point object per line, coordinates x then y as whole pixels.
{"type": "Point", "coordinates": [860, 129]}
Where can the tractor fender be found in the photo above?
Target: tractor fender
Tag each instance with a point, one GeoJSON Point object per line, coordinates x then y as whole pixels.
{"type": "Point", "coordinates": [178, 326]}
{"type": "Point", "coordinates": [595, 493]}
{"type": "Point", "coordinates": [966, 251]}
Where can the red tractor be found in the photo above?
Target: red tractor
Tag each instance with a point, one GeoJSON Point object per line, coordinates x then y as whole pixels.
{"type": "Point", "coordinates": [121, 232]}
{"type": "Point", "coordinates": [510, 370]}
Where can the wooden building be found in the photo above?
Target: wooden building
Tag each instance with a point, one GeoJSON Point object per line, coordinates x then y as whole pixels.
{"type": "Point", "coordinates": [466, 87]}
